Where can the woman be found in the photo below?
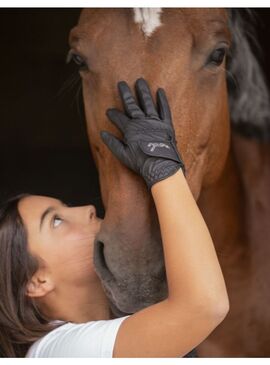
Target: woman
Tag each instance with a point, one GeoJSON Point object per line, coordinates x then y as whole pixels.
{"type": "Point", "coordinates": [52, 303]}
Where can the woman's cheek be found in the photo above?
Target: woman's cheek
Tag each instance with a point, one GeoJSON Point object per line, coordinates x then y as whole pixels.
{"type": "Point", "coordinates": [75, 266]}
{"type": "Point", "coordinates": [80, 235]}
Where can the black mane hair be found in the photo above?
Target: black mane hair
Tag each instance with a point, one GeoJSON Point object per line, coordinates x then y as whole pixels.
{"type": "Point", "coordinates": [248, 92]}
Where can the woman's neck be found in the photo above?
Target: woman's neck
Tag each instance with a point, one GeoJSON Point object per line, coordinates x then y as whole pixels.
{"type": "Point", "coordinates": [78, 305]}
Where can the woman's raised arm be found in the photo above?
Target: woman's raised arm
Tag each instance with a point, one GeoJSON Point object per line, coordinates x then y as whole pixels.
{"type": "Point", "coordinates": [197, 301]}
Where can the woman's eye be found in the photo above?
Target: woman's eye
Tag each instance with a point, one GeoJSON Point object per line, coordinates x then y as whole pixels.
{"type": "Point", "coordinates": [78, 60]}
{"type": "Point", "coordinates": [56, 221]}
{"type": "Point", "coordinates": [217, 56]}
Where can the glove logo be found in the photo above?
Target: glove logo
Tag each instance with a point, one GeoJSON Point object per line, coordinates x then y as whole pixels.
{"type": "Point", "coordinates": [154, 145]}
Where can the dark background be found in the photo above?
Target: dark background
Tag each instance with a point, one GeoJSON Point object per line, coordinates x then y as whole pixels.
{"type": "Point", "coordinates": [43, 143]}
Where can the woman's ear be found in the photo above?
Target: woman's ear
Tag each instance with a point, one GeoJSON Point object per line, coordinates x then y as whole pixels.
{"type": "Point", "coordinates": [40, 285]}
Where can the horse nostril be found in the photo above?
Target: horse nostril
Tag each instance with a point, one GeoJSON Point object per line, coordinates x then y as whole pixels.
{"type": "Point", "coordinates": [99, 259]}
{"type": "Point", "coordinates": [100, 253]}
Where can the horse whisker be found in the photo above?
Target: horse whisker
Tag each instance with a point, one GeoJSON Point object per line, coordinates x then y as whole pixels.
{"type": "Point", "coordinates": [69, 84]}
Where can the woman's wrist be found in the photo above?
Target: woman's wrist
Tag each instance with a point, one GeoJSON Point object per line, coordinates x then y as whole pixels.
{"type": "Point", "coordinates": [169, 183]}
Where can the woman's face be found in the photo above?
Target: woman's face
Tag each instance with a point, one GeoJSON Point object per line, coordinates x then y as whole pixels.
{"type": "Point", "coordinates": [62, 237]}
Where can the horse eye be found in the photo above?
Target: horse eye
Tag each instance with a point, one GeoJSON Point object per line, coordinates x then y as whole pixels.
{"type": "Point", "coordinates": [217, 56]}
{"type": "Point", "coordinates": [78, 60]}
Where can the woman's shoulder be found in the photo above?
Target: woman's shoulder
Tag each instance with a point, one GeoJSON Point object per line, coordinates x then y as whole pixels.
{"type": "Point", "coordinates": [90, 339]}
{"type": "Point", "coordinates": [38, 346]}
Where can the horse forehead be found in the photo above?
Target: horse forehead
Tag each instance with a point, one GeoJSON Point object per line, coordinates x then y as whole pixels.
{"type": "Point", "coordinates": [150, 19]}
{"type": "Point", "coordinates": [106, 18]}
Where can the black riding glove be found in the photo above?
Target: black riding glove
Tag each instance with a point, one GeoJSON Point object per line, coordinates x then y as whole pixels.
{"type": "Point", "coordinates": [149, 145]}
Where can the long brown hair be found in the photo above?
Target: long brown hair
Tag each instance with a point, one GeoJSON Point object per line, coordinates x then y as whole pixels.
{"type": "Point", "coordinates": [21, 323]}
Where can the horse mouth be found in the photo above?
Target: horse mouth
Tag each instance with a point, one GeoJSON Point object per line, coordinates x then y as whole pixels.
{"type": "Point", "coordinates": [105, 275]}
{"type": "Point", "coordinates": [128, 296]}
{"type": "Point", "coordinates": [107, 279]}
{"type": "Point", "coordinates": [117, 312]}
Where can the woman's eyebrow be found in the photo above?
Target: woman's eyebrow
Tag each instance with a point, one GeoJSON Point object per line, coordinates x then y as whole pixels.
{"type": "Point", "coordinates": [44, 215]}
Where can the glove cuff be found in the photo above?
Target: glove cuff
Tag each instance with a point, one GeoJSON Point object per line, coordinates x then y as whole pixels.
{"type": "Point", "coordinates": [155, 170]}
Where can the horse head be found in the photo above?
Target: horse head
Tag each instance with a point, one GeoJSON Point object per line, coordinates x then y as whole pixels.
{"type": "Point", "coordinates": [184, 52]}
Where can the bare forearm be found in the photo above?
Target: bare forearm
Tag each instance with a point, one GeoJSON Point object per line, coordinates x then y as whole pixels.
{"type": "Point", "coordinates": [193, 271]}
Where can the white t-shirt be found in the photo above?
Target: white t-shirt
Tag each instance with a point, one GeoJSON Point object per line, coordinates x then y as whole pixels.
{"type": "Point", "coordinates": [91, 339]}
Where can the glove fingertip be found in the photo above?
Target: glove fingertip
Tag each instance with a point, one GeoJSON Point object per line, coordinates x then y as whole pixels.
{"type": "Point", "coordinates": [140, 82]}
{"type": "Point", "coordinates": [160, 90]}
{"type": "Point", "coordinates": [161, 94]}
{"type": "Point", "coordinates": [109, 112]}
{"type": "Point", "coordinates": [121, 84]}
{"type": "Point", "coordinates": [104, 135]}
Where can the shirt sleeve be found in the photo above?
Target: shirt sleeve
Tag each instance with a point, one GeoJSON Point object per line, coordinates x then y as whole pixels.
{"type": "Point", "coordinates": [91, 339]}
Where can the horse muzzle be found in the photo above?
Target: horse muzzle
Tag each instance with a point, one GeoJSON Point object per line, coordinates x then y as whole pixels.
{"type": "Point", "coordinates": [130, 280]}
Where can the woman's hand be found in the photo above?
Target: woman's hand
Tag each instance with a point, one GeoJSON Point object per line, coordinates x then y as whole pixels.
{"type": "Point", "coordinates": [149, 145]}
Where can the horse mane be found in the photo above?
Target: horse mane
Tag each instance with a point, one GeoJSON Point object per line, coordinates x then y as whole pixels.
{"type": "Point", "coordinates": [248, 92]}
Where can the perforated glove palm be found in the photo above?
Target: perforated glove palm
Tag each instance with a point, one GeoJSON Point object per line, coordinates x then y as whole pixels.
{"type": "Point", "coordinates": [149, 145]}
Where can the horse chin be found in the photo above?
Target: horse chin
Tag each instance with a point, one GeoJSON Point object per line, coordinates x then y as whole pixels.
{"type": "Point", "coordinates": [121, 311]}
{"type": "Point", "coordinates": [118, 309]}
{"type": "Point", "coordinates": [126, 303]}
{"type": "Point", "coordinates": [117, 312]}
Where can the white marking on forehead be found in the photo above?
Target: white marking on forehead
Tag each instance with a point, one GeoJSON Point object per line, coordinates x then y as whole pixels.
{"type": "Point", "coordinates": [149, 18]}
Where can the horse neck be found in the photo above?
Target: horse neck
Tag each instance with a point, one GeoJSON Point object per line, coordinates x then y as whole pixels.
{"type": "Point", "coordinates": [253, 164]}
{"type": "Point", "coordinates": [236, 208]}
{"type": "Point", "coordinates": [222, 207]}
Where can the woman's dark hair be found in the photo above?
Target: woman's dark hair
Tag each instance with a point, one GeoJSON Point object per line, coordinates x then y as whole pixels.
{"type": "Point", "coordinates": [21, 323]}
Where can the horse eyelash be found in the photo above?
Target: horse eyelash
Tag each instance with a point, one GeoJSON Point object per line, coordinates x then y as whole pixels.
{"type": "Point", "coordinates": [69, 56]}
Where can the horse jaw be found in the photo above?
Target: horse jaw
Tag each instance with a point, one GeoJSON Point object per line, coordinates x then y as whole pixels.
{"type": "Point", "coordinates": [148, 18]}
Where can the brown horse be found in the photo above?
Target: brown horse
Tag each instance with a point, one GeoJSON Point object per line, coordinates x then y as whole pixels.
{"type": "Point", "coordinates": [184, 51]}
